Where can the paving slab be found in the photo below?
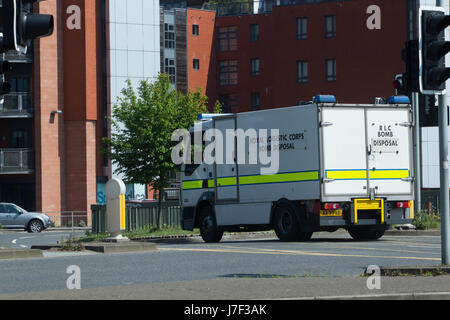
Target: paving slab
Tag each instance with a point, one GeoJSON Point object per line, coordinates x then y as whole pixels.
{"type": "Point", "coordinates": [20, 253]}
{"type": "Point", "coordinates": [107, 247]}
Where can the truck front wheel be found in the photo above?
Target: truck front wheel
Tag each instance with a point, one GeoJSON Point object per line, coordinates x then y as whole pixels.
{"type": "Point", "coordinates": [367, 233]}
{"type": "Point", "coordinates": [285, 223]}
{"type": "Point", "coordinates": [208, 226]}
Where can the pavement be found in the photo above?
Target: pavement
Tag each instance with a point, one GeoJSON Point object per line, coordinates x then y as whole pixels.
{"type": "Point", "coordinates": [297, 288]}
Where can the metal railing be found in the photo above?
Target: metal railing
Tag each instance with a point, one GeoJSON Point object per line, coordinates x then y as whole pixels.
{"type": "Point", "coordinates": [70, 219]}
{"type": "Point", "coordinates": [16, 103]}
{"type": "Point", "coordinates": [16, 57]}
{"type": "Point", "coordinates": [16, 160]}
{"type": "Point", "coordinates": [246, 7]}
{"type": "Point", "coordinates": [138, 216]}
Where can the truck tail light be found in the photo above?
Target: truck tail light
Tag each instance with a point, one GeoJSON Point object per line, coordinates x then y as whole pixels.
{"type": "Point", "coordinates": [331, 206]}
{"type": "Point", "coordinates": [404, 204]}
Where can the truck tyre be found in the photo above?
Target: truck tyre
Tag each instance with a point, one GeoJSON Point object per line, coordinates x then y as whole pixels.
{"type": "Point", "coordinates": [304, 236]}
{"type": "Point", "coordinates": [285, 223]}
{"type": "Point", "coordinates": [368, 233]}
{"type": "Point", "coordinates": [208, 226]}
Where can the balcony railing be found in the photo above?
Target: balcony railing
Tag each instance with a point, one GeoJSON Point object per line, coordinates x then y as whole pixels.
{"type": "Point", "coordinates": [16, 161]}
{"type": "Point", "coordinates": [248, 7]}
{"type": "Point", "coordinates": [16, 57]}
{"type": "Point", "coordinates": [16, 105]}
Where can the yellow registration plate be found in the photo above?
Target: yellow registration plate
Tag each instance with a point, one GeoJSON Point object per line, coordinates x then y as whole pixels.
{"type": "Point", "coordinates": [331, 213]}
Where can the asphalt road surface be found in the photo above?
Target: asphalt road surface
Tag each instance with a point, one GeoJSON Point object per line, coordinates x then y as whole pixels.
{"type": "Point", "coordinates": [19, 239]}
{"type": "Point", "coordinates": [330, 264]}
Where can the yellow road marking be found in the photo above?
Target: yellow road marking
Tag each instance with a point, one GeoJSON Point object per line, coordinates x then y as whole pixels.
{"type": "Point", "coordinates": [292, 252]}
{"type": "Point", "coordinates": [379, 249]}
{"type": "Point", "coordinates": [339, 254]}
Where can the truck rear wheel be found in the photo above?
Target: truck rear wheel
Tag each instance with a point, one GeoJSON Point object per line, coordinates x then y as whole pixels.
{"type": "Point", "coordinates": [208, 226]}
{"type": "Point", "coordinates": [285, 223]}
{"type": "Point", "coordinates": [367, 232]}
{"type": "Point", "coordinates": [304, 236]}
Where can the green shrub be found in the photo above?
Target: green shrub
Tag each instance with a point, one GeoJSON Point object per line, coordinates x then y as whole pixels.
{"type": "Point", "coordinates": [1, 227]}
{"type": "Point", "coordinates": [424, 221]}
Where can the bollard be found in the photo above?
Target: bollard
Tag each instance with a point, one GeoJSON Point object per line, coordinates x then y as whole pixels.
{"type": "Point", "coordinates": [115, 210]}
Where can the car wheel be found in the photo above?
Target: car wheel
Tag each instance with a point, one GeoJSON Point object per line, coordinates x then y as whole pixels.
{"type": "Point", "coordinates": [208, 226]}
{"type": "Point", "coordinates": [35, 226]}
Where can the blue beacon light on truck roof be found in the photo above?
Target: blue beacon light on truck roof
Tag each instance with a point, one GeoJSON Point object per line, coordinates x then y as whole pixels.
{"type": "Point", "coordinates": [324, 99]}
{"type": "Point", "coordinates": [399, 100]}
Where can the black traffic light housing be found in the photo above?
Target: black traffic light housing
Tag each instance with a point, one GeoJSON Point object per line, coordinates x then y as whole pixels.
{"type": "Point", "coordinates": [21, 26]}
{"type": "Point", "coordinates": [433, 49]}
{"type": "Point", "coordinates": [410, 55]}
{"type": "Point", "coordinates": [399, 85]}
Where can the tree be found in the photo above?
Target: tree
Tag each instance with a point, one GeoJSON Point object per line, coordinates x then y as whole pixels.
{"type": "Point", "coordinates": [141, 145]}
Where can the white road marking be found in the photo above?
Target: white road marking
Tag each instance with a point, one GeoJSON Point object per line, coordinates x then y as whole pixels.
{"type": "Point", "coordinates": [14, 241]}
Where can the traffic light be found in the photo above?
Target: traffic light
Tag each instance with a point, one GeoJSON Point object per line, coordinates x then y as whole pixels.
{"type": "Point", "coordinates": [21, 26]}
{"type": "Point", "coordinates": [399, 85]}
{"type": "Point", "coordinates": [410, 55]}
{"type": "Point", "coordinates": [428, 111]}
{"type": "Point", "coordinates": [432, 25]}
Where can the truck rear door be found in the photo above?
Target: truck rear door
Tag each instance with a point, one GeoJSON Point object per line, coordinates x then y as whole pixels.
{"type": "Point", "coordinates": [366, 152]}
{"type": "Point", "coordinates": [389, 151]}
{"type": "Point", "coordinates": [344, 163]}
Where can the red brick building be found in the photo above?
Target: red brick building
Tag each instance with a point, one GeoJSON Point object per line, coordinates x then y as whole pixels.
{"type": "Point", "coordinates": [290, 53]}
{"type": "Point", "coordinates": [53, 122]}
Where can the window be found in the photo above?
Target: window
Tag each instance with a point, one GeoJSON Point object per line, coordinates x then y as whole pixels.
{"type": "Point", "coordinates": [196, 64]}
{"type": "Point", "coordinates": [302, 28]}
{"type": "Point", "coordinates": [20, 84]}
{"type": "Point", "coordinates": [228, 102]}
{"type": "Point", "coordinates": [9, 208]}
{"type": "Point", "coordinates": [254, 32]}
{"type": "Point", "coordinates": [20, 139]}
{"type": "Point", "coordinates": [228, 72]}
{"type": "Point", "coordinates": [189, 168]}
{"type": "Point", "coordinates": [227, 38]}
{"type": "Point", "coordinates": [169, 36]}
{"type": "Point", "coordinates": [254, 66]}
{"type": "Point", "coordinates": [195, 30]}
{"type": "Point", "coordinates": [255, 101]}
{"type": "Point", "coordinates": [331, 69]}
{"type": "Point", "coordinates": [169, 68]}
{"type": "Point", "coordinates": [330, 26]}
{"type": "Point", "coordinates": [302, 71]}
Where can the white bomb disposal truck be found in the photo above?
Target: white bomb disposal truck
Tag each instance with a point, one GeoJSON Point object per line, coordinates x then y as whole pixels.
{"type": "Point", "coordinates": [340, 166]}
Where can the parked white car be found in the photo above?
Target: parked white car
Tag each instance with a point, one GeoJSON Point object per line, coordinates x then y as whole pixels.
{"type": "Point", "coordinates": [14, 217]}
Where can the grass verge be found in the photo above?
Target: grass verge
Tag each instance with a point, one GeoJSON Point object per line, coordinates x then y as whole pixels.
{"type": "Point", "coordinates": [139, 233]}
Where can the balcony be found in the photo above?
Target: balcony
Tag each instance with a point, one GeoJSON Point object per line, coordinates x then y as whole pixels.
{"type": "Point", "coordinates": [16, 105]}
{"type": "Point", "coordinates": [251, 7]}
{"type": "Point", "coordinates": [16, 161]}
{"type": "Point", "coordinates": [17, 57]}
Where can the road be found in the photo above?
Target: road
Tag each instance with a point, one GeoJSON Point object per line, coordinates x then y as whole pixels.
{"type": "Point", "coordinates": [16, 239]}
{"type": "Point", "coordinates": [330, 264]}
